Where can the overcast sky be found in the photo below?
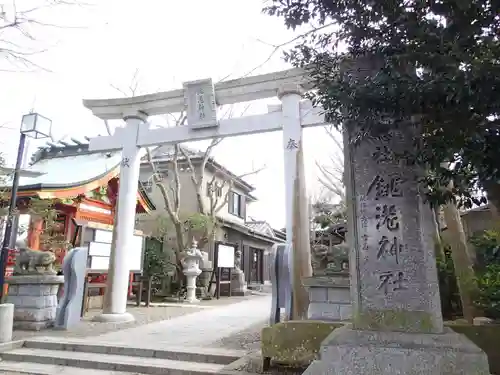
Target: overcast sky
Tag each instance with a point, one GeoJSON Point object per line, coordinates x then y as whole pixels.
{"type": "Point", "coordinates": [168, 41]}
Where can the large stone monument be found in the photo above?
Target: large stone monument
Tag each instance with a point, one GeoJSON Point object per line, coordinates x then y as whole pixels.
{"type": "Point", "coordinates": [33, 289]}
{"type": "Point", "coordinates": [74, 267]}
{"type": "Point", "coordinates": [238, 283]}
{"type": "Point", "coordinates": [191, 259]}
{"type": "Point", "coordinates": [329, 293]}
{"type": "Point", "coordinates": [397, 326]}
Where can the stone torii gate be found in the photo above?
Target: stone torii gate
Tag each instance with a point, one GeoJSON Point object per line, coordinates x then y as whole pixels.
{"type": "Point", "coordinates": [199, 99]}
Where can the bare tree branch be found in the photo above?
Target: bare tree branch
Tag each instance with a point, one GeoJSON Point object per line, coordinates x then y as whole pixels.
{"type": "Point", "coordinates": [228, 181]}
{"type": "Point", "coordinates": [332, 174]}
{"type": "Point", "coordinates": [177, 180]}
{"type": "Point", "coordinates": [18, 24]}
{"type": "Point", "coordinates": [278, 47]}
{"type": "Point", "coordinates": [133, 87]}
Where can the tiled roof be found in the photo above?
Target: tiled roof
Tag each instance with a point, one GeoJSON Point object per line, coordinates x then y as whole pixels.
{"type": "Point", "coordinates": [67, 163]}
{"type": "Point", "coordinates": [261, 227]}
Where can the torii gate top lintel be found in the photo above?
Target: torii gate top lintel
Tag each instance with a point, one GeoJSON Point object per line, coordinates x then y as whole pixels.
{"type": "Point", "coordinates": [227, 92]}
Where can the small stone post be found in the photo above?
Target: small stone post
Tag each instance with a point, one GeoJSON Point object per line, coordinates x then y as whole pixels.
{"type": "Point", "coordinates": [6, 322]}
{"type": "Point", "coordinates": [191, 262]}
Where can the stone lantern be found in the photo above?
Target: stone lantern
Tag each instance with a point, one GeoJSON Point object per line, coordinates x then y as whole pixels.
{"type": "Point", "coordinates": [191, 259]}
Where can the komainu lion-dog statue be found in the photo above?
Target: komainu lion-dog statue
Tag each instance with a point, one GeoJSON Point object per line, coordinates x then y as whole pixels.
{"type": "Point", "coordinates": [33, 262]}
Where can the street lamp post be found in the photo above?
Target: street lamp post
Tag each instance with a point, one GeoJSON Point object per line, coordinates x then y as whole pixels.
{"type": "Point", "coordinates": [35, 126]}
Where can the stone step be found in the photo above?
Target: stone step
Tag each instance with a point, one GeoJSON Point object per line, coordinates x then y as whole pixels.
{"type": "Point", "coordinates": [21, 368]}
{"type": "Point", "coordinates": [189, 354]}
{"type": "Point", "coordinates": [111, 362]}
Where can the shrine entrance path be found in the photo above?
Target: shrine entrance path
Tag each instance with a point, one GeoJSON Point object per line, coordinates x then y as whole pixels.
{"type": "Point", "coordinates": [196, 329]}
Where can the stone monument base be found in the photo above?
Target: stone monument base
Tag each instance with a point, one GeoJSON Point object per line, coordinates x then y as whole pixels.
{"type": "Point", "coordinates": [238, 283]}
{"type": "Point", "coordinates": [351, 352]}
{"type": "Point", "coordinates": [330, 297]}
{"type": "Point", "coordinates": [35, 300]}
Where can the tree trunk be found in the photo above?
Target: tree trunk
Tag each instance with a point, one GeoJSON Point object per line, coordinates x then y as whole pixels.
{"type": "Point", "coordinates": [464, 271]}
{"type": "Point", "coordinates": [179, 237]}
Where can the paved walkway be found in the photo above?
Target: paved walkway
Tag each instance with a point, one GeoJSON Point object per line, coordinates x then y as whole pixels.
{"type": "Point", "coordinates": [196, 329]}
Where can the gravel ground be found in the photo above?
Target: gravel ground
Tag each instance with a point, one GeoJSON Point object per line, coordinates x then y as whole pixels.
{"type": "Point", "coordinates": [143, 315]}
{"type": "Point", "coordinates": [249, 340]}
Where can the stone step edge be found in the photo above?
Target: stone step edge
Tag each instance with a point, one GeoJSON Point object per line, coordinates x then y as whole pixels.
{"type": "Point", "coordinates": [10, 345]}
{"type": "Point", "coordinates": [32, 368]}
{"type": "Point", "coordinates": [190, 354]}
{"type": "Point", "coordinates": [110, 362]}
{"type": "Point", "coordinates": [44, 369]}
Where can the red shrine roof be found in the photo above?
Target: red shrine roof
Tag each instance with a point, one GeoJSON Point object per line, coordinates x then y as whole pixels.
{"type": "Point", "coordinates": [68, 169]}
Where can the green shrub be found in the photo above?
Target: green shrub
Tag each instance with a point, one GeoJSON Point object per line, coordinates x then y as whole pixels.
{"type": "Point", "coordinates": [487, 246]}
{"type": "Point", "coordinates": [155, 263]}
{"type": "Point", "coordinates": [488, 299]}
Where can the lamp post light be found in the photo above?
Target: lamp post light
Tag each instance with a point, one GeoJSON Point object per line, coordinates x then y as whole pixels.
{"type": "Point", "coordinates": [35, 126]}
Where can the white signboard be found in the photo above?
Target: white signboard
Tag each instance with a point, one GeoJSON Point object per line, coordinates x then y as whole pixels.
{"type": "Point", "coordinates": [99, 252]}
{"type": "Point", "coordinates": [105, 236]}
{"type": "Point", "coordinates": [199, 99]}
{"type": "Point", "coordinates": [134, 254]}
{"type": "Point", "coordinates": [99, 263]}
{"type": "Point", "coordinates": [99, 249]}
{"type": "Point", "coordinates": [225, 254]}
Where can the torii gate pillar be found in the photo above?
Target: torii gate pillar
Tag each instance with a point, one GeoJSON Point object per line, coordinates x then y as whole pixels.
{"type": "Point", "coordinates": [115, 300]}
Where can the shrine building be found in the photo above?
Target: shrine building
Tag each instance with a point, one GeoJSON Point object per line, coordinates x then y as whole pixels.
{"type": "Point", "coordinates": [82, 186]}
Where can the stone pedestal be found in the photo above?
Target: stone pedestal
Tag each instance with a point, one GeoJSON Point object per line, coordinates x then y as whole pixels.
{"type": "Point", "coordinates": [238, 283]}
{"type": "Point", "coordinates": [35, 300]}
{"type": "Point", "coordinates": [6, 322]}
{"type": "Point", "coordinates": [191, 276]}
{"type": "Point", "coordinates": [329, 297]}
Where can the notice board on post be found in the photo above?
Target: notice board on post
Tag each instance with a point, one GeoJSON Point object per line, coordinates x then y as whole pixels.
{"type": "Point", "coordinates": [223, 264]}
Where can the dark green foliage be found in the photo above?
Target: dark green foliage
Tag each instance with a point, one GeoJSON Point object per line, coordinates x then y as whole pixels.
{"type": "Point", "coordinates": [440, 70]}
{"type": "Point", "coordinates": [155, 262]}
{"type": "Point", "coordinates": [488, 300]}
{"type": "Point", "coordinates": [487, 245]}
{"type": "Point", "coordinates": [451, 305]}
